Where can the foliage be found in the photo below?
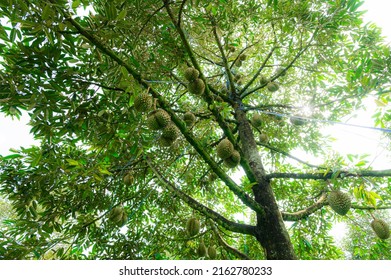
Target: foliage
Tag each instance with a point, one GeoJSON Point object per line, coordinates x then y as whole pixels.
{"type": "Point", "coordinates": [77, 68]}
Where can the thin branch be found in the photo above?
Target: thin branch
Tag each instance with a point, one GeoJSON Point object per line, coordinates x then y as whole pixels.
{"type": "Point", "coordinates": [302, 214]}
{"type": "Point", "coordinates": [243, 93]}
{"type": "Point", "coordinates": [330, 175]}
{"type": "Point", "coordinates": [360, 207]}
{"type": "Point", "coordinates": [289, 155]}
{"type": "Point", "coordinates": [180, 12]}
{"type": "Point", "coordinates": [227, 247]}
{"type": "Point", "coordinates": [227, 224]}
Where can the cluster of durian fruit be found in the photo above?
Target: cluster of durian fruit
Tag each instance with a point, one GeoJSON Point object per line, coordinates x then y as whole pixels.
{"type": "Point", "coordinates": [157, 119]}
{"type": "Point", "coordinates": [196, 85]}
{"type": "Point", "coordinates": [226, 151]}
{"type": "Point", "coordinates": [193, 227]}
{"type": "Point", "coordinates": [340, 202]}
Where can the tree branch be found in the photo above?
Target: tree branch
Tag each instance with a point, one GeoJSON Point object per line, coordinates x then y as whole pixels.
{"type": "Point", "coordinates": [330, 175]}
{"type": "Point", "coordinates": [242, 195]}
{"type": "Point", "coordinates": [289, 155]}
{"type": "Point", "coordinates": [227, 247]}
{"type": "Point", "coordinates": [302, 214]}
{"type": "Point", "coordinates": [227, 224]}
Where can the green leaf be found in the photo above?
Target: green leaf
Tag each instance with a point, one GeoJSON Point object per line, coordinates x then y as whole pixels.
{"type": "Point", "coordinates": [12, 156]}
{"type": "Point", "coordinates": [72, 162]}
{"type": "Point", "coordinates": [122, 15]}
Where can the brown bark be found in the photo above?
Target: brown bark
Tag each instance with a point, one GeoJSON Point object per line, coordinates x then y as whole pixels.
{"type": "Point", "coordinates": [270, 228]}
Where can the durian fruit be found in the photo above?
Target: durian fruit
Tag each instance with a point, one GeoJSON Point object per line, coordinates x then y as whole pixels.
{"type": "Point", "coordinates": [191, 74]}
{"type": "Point", "coordinates": [189, 118]}
{"type": "Point", "coordinates": [231, 48]}
{"type": "Point", "coordinates": [242, 57]}
{"type": "Point", "coordinates": [233, 160]}
{"type": "Point", "coordinates": [381, 228]}
{"type": "Point", "coordinates": [158, 119]}
{"type": "Point", "coordinates": [297, 121]}
{"type": "Point", "coordinates": [263, 80]}
{"type": "Point", "coordinates": [193, 226]}
{"type": "Point", "coordinates": [196, 87]}
{"type": "Point", "coordinates": [272, 86]}
{"type": "Point", "coordinates": [339, 201]}
{"type": "Point", "coordinates": [169, 135]}
{"type": "Point", "coordinates": [201, 250]}
{"type": "Point", "coordinates": [256, 120]}
{"type": "Point", "coordinates": [263, 138]}
{"type": "Point", "coordinates": [118, 216]}
{"type": "Point", "coordinates": [128, 179]}
{"type": "Point", "coordinates": [225, 149]}
{"type": "Point", "coordinates": [238, 63]}
{"type": "Point", "coordinates": [143, 102]}
{"type": "Point", "coordinates": [212, 252]}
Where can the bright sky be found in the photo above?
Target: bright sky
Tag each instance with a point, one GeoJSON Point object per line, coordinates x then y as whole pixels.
{"type": "Point", "coordinates": [15, 133]}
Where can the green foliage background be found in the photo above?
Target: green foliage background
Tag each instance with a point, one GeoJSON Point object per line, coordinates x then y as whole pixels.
{"type": "Point", "coordinates": [78, 74]}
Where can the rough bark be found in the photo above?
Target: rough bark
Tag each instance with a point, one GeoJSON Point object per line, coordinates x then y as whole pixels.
{"type": "Point", "coordinates": [270, 228]}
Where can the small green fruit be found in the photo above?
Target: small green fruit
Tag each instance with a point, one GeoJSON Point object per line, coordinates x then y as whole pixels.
{"type": "Point", "coordinates": [212, 252]}
{"type": "Point", "coordinates": [272, 86]}
{"type": "Point", "coordinates": [193, 226]}
{"type": "Point", "coordinates": [233, 160]}
{"type": "Point", "coordinates": [189, 118]}
{"type": "Point", "coordinates": [201, 251]}
{"type": "Point", "coordinates": [256, 120]}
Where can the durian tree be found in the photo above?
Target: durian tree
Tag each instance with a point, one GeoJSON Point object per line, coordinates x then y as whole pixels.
{"type": "Point", "coordinates": [166, 128]}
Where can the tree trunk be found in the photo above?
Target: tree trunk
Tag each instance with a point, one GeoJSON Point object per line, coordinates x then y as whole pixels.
{"type": "Point", "coordinates": [271, 231]}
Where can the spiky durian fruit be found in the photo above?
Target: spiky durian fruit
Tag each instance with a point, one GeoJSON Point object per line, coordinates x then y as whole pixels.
{"type": "Point", "coordinates": [169, 135]}
{"type": "Point", "coordinates": [196, 87]}
{"type": "Point", "coordinates": [231, 48]}
{"type": "Point", "coordinates": [225, 149]}
{"type": "Point", "coordinates": [297, 120]}
{"type": "Point", "coordinates": [238, 63]}
{"type": "Point", "coordinates": [272, 86]}
{"type": "Point", "coordinates": [263, 138]}
{"type": "Point", "coordinates": [233, 160]}
{"type": "Point", "coordinates": [339, 201]}
{"type": "Point", "coordinates": [158, 119]}
{"type": "Point", "coordinates": [191, 74]}
{"type": "Point", "coordinates": [263, 80]}
{"type": "Point", "coordinates": [170, 131]}
{"type": "Point", "coordinates": [201, 250]}
{"type": "Point", "coordinates": [118, 216]}
{"type": "Point", "coordinates": [128, 179]}
{"type": "Point", "coordinates": [256, 120]}
{"type": "Point", "coordinates": [189, 118]}
{"type": "Point", "coordinates": [193, 226]}
{"type": "Point", "coordinates": [212, 252]}
{"type": "Point", "coordinates": [143, 102]}
{"type": "Point", "coordinates": [381, 228]}
{"type": "Point", "coordinates": [242, 57]}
